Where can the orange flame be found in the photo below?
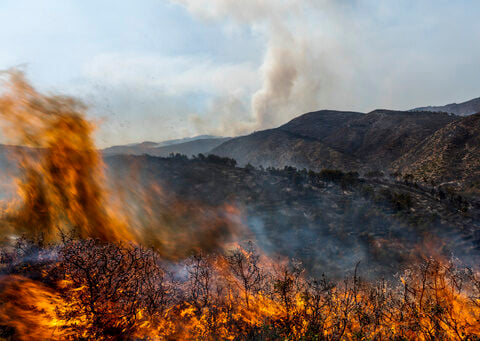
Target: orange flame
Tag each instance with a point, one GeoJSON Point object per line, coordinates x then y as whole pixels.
{"type": "Point", "coordinates": [62, 184]}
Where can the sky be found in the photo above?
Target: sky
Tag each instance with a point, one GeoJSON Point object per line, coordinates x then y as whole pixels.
{"type": "Point", "coordinates": [153, 70]}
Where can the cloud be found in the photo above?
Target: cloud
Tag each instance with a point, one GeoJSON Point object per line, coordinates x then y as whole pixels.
{"type": "Point", "coordinates": [174, 76]}
{"type": "Point", "coordinates": [245, 11]}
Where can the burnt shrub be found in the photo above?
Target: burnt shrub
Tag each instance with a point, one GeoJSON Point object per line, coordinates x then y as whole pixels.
{"type": "Point", "coordinates": [108, 285]}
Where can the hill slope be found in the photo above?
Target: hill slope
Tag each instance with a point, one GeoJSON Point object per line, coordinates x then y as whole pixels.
{"type": "Point", "coordinates": [450, 154]}
{"type": "Point", "coordinates": [333, 139]}
{"type": "Point", "coordinates": [381, 136]}
{"type": "Point", "coordinates": [328, 220]}
{"type": "Point", "coordinates": [279, 148]}
{"type": "Point", "coordinates": [320, 124]}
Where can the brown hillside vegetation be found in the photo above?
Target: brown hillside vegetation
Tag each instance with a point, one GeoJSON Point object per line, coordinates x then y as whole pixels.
{"type": "Point", "coordinates": [452, 154]}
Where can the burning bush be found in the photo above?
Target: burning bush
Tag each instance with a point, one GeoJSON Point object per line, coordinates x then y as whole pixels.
{"type": "Point", "coordinates": [113, 288]}
{"type": "Point", "coordinates": [111, 291]}
{"type": "Point", "coordinates": [95, 290]}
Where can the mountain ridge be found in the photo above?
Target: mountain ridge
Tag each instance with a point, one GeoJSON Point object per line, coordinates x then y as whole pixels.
{"type": "Point", "coordinates": [449, 155]}
{"type": "Point", "coordinates": [336, 139]}
{"type": "Point", "coordinates": [188, 146]}
{"type": "Point", "coordinates": [466, 108]}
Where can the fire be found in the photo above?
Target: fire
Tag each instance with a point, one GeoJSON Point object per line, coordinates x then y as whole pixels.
{"type": "Point", "coordinates": [97, 268]}
{"type": "Point", "coordinates": [61, 187]}
{"type": "Point", "coordinates": [30, 309]}
{"type": "Point", "coordinates": [105, 291]}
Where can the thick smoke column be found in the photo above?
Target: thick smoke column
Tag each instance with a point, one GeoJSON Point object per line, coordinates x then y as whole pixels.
{"type": "Point", "coordinates": [290, 76]}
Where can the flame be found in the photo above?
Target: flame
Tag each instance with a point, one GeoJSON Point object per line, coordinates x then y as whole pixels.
{"type": "Point", "coordinates": [29, 308]}
{"type": "Point", "coordinates": [61, 187]}
{"type": "Point", "coordinates": [433, 300]}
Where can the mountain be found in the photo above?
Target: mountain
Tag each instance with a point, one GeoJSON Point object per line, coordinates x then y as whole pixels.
{"type": "Point", "coordinates": [462, 109]}
{"type": "Point", "coordinates": [280, 148]}
{"type": "Point", "coordinates": [200, 146]}
{"type": "Point", "coordinates": [187, 146]}
{"type": "Point", "coordinates": [451, 154]}
{"type": "Point", "coordinates": [320, 124]}
{"type": "Point", "coordinates": [297, 143]}
{"type": "Point", "coordinates": [336, 139]}
{"type": "Point", "coordinates": [185, 139]}
{"type": "Point", "coordinates": [381, 136]}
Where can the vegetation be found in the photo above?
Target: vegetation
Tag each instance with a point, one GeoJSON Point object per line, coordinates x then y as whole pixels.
{"type": "Point", "coordinates": [104, 291]}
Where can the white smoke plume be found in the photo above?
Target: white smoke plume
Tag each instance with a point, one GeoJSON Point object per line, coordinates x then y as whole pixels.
{"type": "Point", "coordinates": [291, 72]}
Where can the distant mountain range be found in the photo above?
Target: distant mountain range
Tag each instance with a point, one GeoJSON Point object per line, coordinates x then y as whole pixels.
{"type": "Point", "coordinates": [431, 147]}
{"type": "Point", "coordinates": [335, 139]}
{"type": "Point", "coordinates": [187, 146]}
{"type": "Point", "coordinates": [462, 109]}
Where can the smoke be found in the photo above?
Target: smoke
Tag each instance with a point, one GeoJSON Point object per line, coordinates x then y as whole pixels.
{"type": "Point", "coordinates": [246, 65]}
{"type": "Point", "coordinates": [291, 73]}
{"type": "Point", "coordinates": [168, 90]}
{"type": "Point", "coordinates": [343, 55]}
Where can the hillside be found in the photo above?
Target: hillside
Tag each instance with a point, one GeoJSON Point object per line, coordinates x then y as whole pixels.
{"type": "Point", "coordinates": [320, 124]}
{"type": "Point", "coordinates": [328, 220]}
{"type": "Point", "coordinates": [333, 139]}
{"type": "Point", "coordinates": [461, 109]}
{"type": "Point", "coordinates": [381, 136]}
{"type": "Point", "coordinates": [279, 148]}
{"type": "Point", "coordinates": [452, 154]}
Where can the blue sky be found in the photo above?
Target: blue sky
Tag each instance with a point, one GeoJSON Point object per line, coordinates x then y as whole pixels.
{"type": "Point", "coordinates": [158, 69]}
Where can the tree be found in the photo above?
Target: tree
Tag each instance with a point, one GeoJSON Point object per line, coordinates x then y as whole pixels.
{"type": "Point", "coordinates": [244, 265]}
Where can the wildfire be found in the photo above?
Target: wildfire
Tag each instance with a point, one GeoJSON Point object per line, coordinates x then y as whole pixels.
{"type": "Point", "coordinates": [110, 291]}
{"type": "Point", "coordinates": [80, 265]}
{"type": "Point", "coordinates": [29, 309]}
{"type": "Point", "coordinates": [61, 185]}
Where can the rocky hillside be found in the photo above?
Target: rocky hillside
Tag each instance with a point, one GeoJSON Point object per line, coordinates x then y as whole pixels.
{"type": "Point", "coordinates": [279, 148]}
{"type": "Point", "coordinates": [381, 136]}
{"type": "Point", "coordinates": [451, 154]}
{"type": "Point", "coordinates": [341, 140]}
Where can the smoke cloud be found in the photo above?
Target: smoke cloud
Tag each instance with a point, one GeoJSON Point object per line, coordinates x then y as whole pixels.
{"type": "Point", "coordinates": [342, 55]}
{"type": "Point", "coordinates": [293, 74]}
